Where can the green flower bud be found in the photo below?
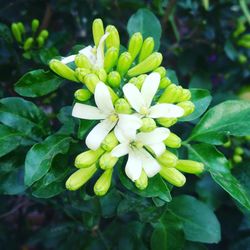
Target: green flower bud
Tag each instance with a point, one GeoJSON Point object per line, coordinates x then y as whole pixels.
{"type": "Point", "coordinates": [187, 106]}
{"type": "Point", "coordinates": [114, 79]}
{"type": "Point", "coordinates": [107, 161]}
{"type": "Point", "coordinates": [173, 141]}
{"type": "Point", "coordinates": [148, 125]}
{"type": "Point", "coordinates": [97, 30]}
{"type": "Point", "coordinates": [239, 29]}
{"type": "Point", "coordinates": [147, 48]}
{"type": "Point", "coordinates": [28, 43]}
{"type": "Point", "coordinates": [80, 177]}
{"type": "Point", "coordinates": [164, 83]}
{"type": "Point", "coordinates": [173, 176]}
{"type": "Point", "coordinates": [242, 58]}
{"type": "Point", "coordinates": [110, 58]}
{"type": "Point", "coordinates": [82, 95]}
{"type": "Point", "coordinates": [91, 81]}
{"type": "Point", "coordinates": [88, 158]}
{"type": "Point", "coordinates": [239, 151]}
{"type": "Point", "coordinates": [168, 159]}
{"type": "Point", "coordinates": [82, 61]}
{"type": "Point", "coordinates": [34, 25]}
{"type": "Point", "coordinates": [109, 142]}
{"type": "Point", "coordinates": [102, 75]}
{"type": "Point", "coordinates": [185, 96]}
{"type": "Point", "coordinates": [122, 106]}
{"type": "Point", "coordinates": [135, 44]}
{"type": "Point", "coordinates": [227, 144]}
{"type": "Point", "coordinates": [62, 70]}
{"type": "Point", "coordinates": [142, 182]}
{"type": "Point", "coordinates": [191, 167]}
{"type": "Point", "coordinates": [162, 71]}
{"type": "Point", "coordinates": [140, 80]}
{"type": "Point", "coordinates": [103, 183]}
{"type": "Point", "coordinates": [237, 158]}
{"type": "Point", "coordinates": [40, 41]}
{"type": "Point", "coordinates": [113, 40]}
{"type": "Point", "coordinates": [44, 34]}
{"type": "Point", "coordinates": [167, 122]}
{"type": "Point", "coordinates": [149, 64]}
{"type": "Point", "coordinates": [21, 27]}
{"type": "Point", "coordinates": [16, 32]}
{"type": "Point", "coordinates": [171, 94]}
{"type": "Point", "coordinates": [124, 63]}
{"type": "Point", "coordinates": [81, 73]}
{"type": "Point", "coordinates": [244, 41]}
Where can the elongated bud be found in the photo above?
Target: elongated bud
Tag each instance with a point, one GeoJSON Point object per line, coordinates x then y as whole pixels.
{"type": "Point", "coordinates": [34, 25]}
{"type": "Point", "coordinates": [164, 83]}
{"type": "Point", "coordinates": [28, 43]}
{"type": "Point", "coordinates": [81, 73]}
{"type": "Point", "coordinates": [167, 122]}
{"type": "Point", "coordinates": [82, 95]}
{"type": "Point", "coordinates": [97, 30]}
{"type": "Point", "coordinates": [147, 48]}
{"type": "Point", "coordinates": [187, 106]}
{"type": "Point", "coordinates": [148, 125]}
{"type": "Point", "coordinates": [239, 151]}
{"type": "Point", "coordinates": [40, 41]}
{"type": "Point", "coordinates": [173, 176]}
{"type": "Point", "coordinates": [110, 58]}
{"type": "Point", "coordinates": [102, 75]}
{"type": "Point", "coordinates": [173, 141]}
{"type": "Point", "coordinates": [162, 71]}
{"type": "Point", "coordinates": [16, 32]}
{"type": "Point", "coordinates": [103, 183]}
{"type": "Point", "coordinates": [114, 79]}
{"type": "Point", "coordinates": [109, 142]}
{"type": "Point", "coordinates": [122, 106]}
{"type": "Point", "coordinates": [142, 182]}
{"type": "Point", "coordinates": [82, 61]}
{"type": "Point", "coordinates": [44, 34]}
{"type": "Point", "coordinates": [80, 177]}
{"type": "Point", "coordinates": [91, 81]}
{"type": "Point", "coordinates": [62, 70]}
{"type": "Point", "coordinates": [149, 64]}
{"type": "Point", "coordinates": [135, 44]}
{"type": "Point", "coordinates": [113, 40]}
{"type": "Point", "coordinates": [124, 63]}
{"type": "Point", "coordinates": [168, 159]}
{"type": "Point", "coordinates": [107, 161]}
{"type": "Point", "coordinates": [88, 158]}
{"type": "Point", "coordinates": [185, 96]}
{"type": "Point", "coordinates": [171, 93]}
{"type": "Point", "coordinates": [191, 167]}
{"type": "Point", "coordinates": [21, 27]}
{"type": "Point", "coordinates": [140, 80]}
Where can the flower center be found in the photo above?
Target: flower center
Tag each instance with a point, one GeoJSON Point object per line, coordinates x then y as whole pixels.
{"type": "Point", "coordinates": [144, 110]}
{"type": "Point", "coordinates": [113, 117]}
{"type": "Point", "coordinates": [136, 144]}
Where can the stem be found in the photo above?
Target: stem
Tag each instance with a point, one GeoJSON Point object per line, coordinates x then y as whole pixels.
{"type": "Point", "coordinates": [245, 9]}
{"type": "Point", "coordinates": [168, 12]}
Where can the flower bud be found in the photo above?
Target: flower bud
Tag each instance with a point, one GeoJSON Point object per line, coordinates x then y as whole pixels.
{"type": "Point", "coordinates": [16, 32]}
{"type": "Point", "coordinates": [110, 58]}
{"type": "Point", "coordinates": [82, 61]}
{"type": "Point", "coordinates": [82, 95]}
{"type": "Point", "coordinates": [80, 177]}
{"type": "Point", "coordinates": [44, 34]}
{"type": "Point", "coordinates": [88, 158]}
{"type": "Point", "coordinates": [97, 30]}
{"type": "Point", "coordinates": [244, 41]}
{"type": "Point", "coordinates": [21, 27]}
{"type": "Point", "coordinates": [109, 142]}
{"type": "Point", "coordinates": [171, 93]}
{"type": "Point", "coordinates": [135, 44]}
{"type": "Point", "coordinates": [103, 183]}
{"type": "Point", "coordinates": [147, 48]}
{"type": "Point", "coordinates": [62, 70]}
{"type": "Point", "coordinates": [191, 167]}
{"type": "Point", "coordinates": [28, 43]}
{"type": "Point", "coordinates": [164, 83]}
{"type": "Point", "coordinates": [124, 63]}
{"type": "Point", "coordinates": [173, 141]}
{"type": "Point", "coordinates": [148, 125]}
{"type": "Point", "coordinates": [227, 144]}
{"type": "Point", "coordinates": [34, 25]}
{"type": "Point", "coordinates": [102, 75]}
{"type": "Point", "coordinates": [188, 107]}
{"type": "Point", "coordinates": [122, 106]}
{"type": "Point", "coordinates": [142, 182]}
{"type": "Point", "coordinates": [81, 73]}
{"type": "Point", "coordinates": [173, 176]}
{"type": "Point", "coordinates": [149, 64]}
{"type": "Point", "coordinates": [114, 79]}
{"type": "Point", "coordinates": [168, 159]}
{"type": "Point", "coordinates": [162, 71]}
{"type": "Point", "coordinates": [185, 96]}
{"type": "Point", "coordinates": [140, 80]}
{"type": "Point", "coordinates": [91, 81]}
{"type": "Point", "coordinates": [167, 122]}
{"type": "Point", "coordinates": [242, 58]}
{"type": "Point", "coordinates": [113, 40]}
{"type": "Point", "coordinates": [40, 41]}
{"type": "Point", "coordinates": [107, 161]}
{"type": "Point", "coordinates": [239, 151]}
{"type": "Point", "coordinates": [237, 158]}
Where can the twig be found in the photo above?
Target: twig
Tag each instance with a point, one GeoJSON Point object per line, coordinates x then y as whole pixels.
{"type": "Point", "coordinates": [47, 17]}
{"type": "Point", "coordinates": [168, 11]}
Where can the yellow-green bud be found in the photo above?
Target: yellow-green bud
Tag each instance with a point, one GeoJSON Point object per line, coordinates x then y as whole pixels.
{"type": "Point", "coordinates": [162, 71]}
{"type": "Point", "coordinates": [124, 63]}
{"type": "Point", "coordinates": [114, 79]}
{"type": "Point", "coordinates": [242, 58]}
{"type": "Point", "coordinates": [28, 43]}
{"type": "Point", "coordinates": [88, 158]}
{"type": "Point", "coordinates": [16, 32]}
{"type": "Point", "coordinates": [135, 44]}
{"type": "Point", "coordinates": [82, 95]}
{"type": "Point", "coordinates": [122, 106]}
{"type": "Point", "coordinates": [21, 27]}
{"type": "Point", "coordinates": [107, 161]}
{"type": "Point", "coordinates": [148, 125]}
{"type": "Point", "coordinates": [171, 94]}
{"type": "Point", "coordinates": [173, 176]}
{"type": "Point", "coordinates": [40, 41]}
{"type": "Point", "coordinates": [142, 182]}
{"type": "Point", "coordinates": [109, 142]}
{"type": "Point", "coordinates": [102, 75]}
{"type": "Point", "coordinates": [227, 144]}
{"type": "Point", "coordinates": [167, 122]}
{"type": "Point", "coordinates": [44, 34]}
{"type": "Point", "coordinates": [188, 107]}
{"type": "Point", "coordinates": [81, 73]}
{"type": "Point", "coordinates": [113, 40]}
{"type": "Point", "coordinates": [191, 167]}
{"type": "Point", "coordinates": [97, 30]}
{"type": "Point", "coordinates": [164, 83]}
{"type": "Point", "coordinates": [168, 159]}
{"type": "Point", "coordinates": [63, 70]}
{"type": "Point", "coordinates": [147, 48]}
{"type": "Point", "coordinates": [103, 183]}
{"type": "Point", "coordinates": [82, 61]}
{"type": "Point", "coordinates": [140, 80]}
{"type": "Point", "coordinates": [91, 81]}
{"type": "Point", "coordinates": [185, 96]}
{"type": "Point", "coordinates": [34, 25]}
{"type": "Point", "coordinates": [237, 158]}
{"type": "Point", "coordinates": [239, 151]}
{"type": "Point", "coordinates": [80, 177]}
{"type": "Point", "coordinates": [110, 58]}
{"type": "Point", "coordinates": [173, 141]}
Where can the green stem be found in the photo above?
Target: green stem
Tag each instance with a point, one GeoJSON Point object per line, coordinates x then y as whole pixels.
{"type": "Point", "coordinates": [245, 9]}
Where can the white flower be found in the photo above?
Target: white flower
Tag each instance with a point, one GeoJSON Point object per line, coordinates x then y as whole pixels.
{"type": "Point", "coordinates": [141, 100]}
{"type": "Point", "coordinates": [106, 113]}
{"type": "Point", "coordinates": [95, 55]}
{"type": "Point", "coordinates": [138, 157]}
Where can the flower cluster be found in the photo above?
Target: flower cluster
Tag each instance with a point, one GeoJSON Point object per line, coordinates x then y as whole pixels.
{"type": "Point", "coordinates": [135, 104]}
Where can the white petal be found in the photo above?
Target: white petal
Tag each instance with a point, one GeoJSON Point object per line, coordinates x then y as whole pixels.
{"type": "Point", "coordinates": [120, 150]}
{"type": "Point", "coordinates": [156, 136]}
{"type": "Point", "coordinates": [133, 167]}
{"type": "Point", "coordinates": [87, 112]}
{"type": "Point", "coordinates": [121, 136]}
{"type": "Point", "coordinates": [103, 99]}
{"type": "Point", "coordinates": [88, 52]}
{"type": "Point", "coordinates": [149, 87]}
{"type": "Point", "coordinates": [134, 96]}
{"type": "Point", "coordinates": [100, 51]}
{"type": "Point", "coordinates": [165, 110]}
{"type": "Point", "coordinates": [158, 148]}
{"type": "Point", "coordinates": [98, 133]}
{"type": "Point", "coordinates": [68, 59]}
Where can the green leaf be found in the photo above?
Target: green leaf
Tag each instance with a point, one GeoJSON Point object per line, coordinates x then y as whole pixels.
{"type": "Point", "coordinates": [200, 80]}
{"type": "Point", "coordinates": [5, 33]}
{"type": "Point", "coordinates": [171, 74]}
{"type": "Point", "coordinates": [225, 119]}
{"type": "Point", "coordinates": [147, 23]}
{"type": "Point", "coordinates": [199, 222]}
{"type": "Point", "coordinates": [218, 166]}
{"type": "Point", "coordinates": [230, 50]}
{"type": "Point", "coordinates": [39, 158]}
{"type": "Point", "coordinates": [37, 83]}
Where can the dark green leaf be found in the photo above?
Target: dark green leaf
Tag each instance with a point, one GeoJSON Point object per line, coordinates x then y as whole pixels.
{"type": "Point", "coordinates": [230, 50]}
{"type": "Point", "coordinates": [200, 80]}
